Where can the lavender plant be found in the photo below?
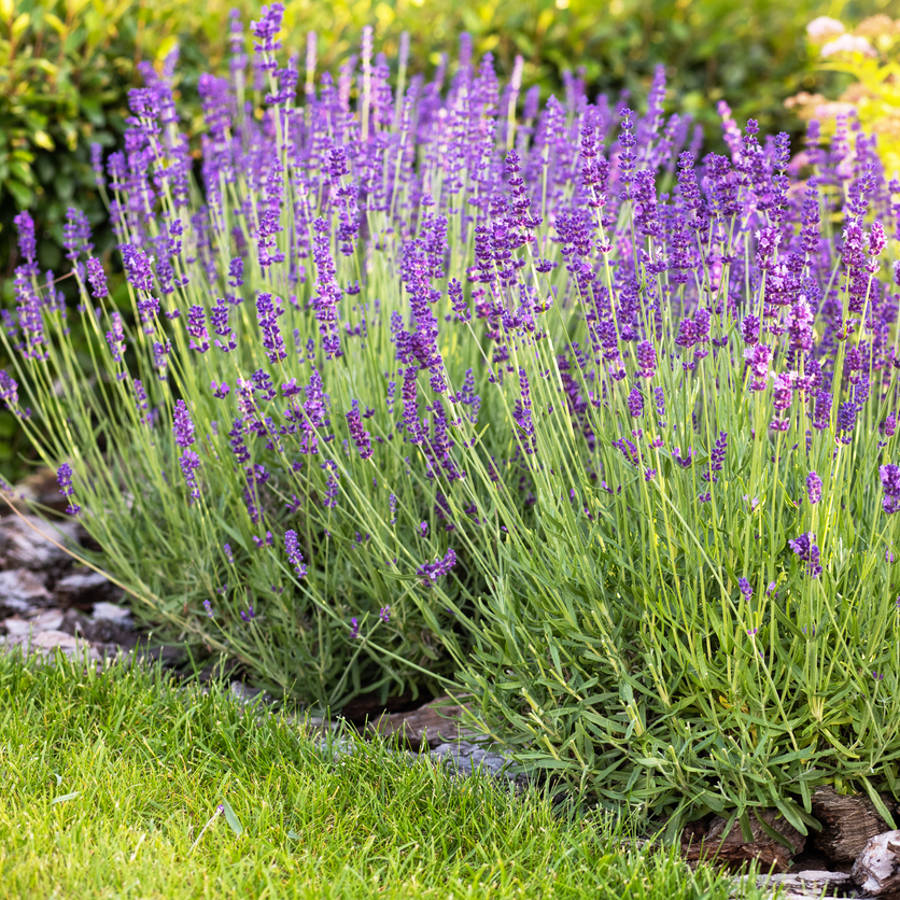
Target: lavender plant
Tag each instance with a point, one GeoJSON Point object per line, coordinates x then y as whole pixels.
{"type": "Point", "coordinates": [427, 381]}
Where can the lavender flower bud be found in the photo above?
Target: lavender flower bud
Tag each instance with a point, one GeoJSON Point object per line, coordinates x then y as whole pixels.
{"type": "Point", "coordinates": [360, 436]}
{"type": "Point", "coordinates": [813, 487]}
{"type": "Point", "coordinates": [183, 426]}
{"type": "Point", "coordinates": [807, 551]}
{"type": "Point", "coordinates": [96, 278]}
{"type": "Point", "coordinates": [64, 478]}
{"type": "Point", "coordinates": [890, 482]}
{"type": "Point", "coordinates": [295, 557]}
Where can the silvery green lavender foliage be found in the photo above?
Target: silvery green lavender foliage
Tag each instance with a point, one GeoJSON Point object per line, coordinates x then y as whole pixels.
{"type": "Point", "coordinates": [430, 379]}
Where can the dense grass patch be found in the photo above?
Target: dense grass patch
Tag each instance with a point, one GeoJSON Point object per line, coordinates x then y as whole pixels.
{"type": "Point", "coordinates": [113, 779]}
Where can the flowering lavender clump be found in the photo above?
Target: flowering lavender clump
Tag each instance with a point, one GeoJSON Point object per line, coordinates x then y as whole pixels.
{"type": "Point", "coordinates": [582, 279]}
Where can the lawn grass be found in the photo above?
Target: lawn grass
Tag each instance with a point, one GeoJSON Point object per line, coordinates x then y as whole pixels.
{"type": "Point", "coordinates": [112, 782]}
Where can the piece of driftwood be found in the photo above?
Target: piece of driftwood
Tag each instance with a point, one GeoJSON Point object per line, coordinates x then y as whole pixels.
{"type": "Point", "coordinates": [848, 823]}
{"type": "Point", "coordinates": [429, 725]}
{"type": "Point", "coordinates": [732, 847]}
{"type": "Point", "coordinates": [877, 868]}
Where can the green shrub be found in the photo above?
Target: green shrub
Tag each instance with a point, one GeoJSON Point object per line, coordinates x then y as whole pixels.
{"type": "Point", "coordinates": [868, 58]}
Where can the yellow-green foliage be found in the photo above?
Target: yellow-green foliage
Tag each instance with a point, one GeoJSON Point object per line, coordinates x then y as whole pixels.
{"type": "Point", "coordinates": [870, 56]}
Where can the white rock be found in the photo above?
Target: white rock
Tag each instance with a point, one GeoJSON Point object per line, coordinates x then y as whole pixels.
{"type": "Point", "coordinates": [110, 612]}
{"type": "Point", "coordinates": [877, 868]}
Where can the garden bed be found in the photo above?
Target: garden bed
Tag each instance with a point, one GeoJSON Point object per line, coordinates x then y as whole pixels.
{"type": "Point", "coordinates": [54, 607]}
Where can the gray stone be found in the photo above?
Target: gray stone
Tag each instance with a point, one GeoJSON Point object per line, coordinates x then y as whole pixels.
{"type": "Point", "coordinates": [29, 542]}
{"type": "Point", "coordinates": [47, 642]}
{"type": "Point", "coordinates": [81, 587]}
{"type": "Point", "coordinates": [467, 758]}
{"type": "Point", "coordinates": [21, 590]}
{"type": "Point", "coordinates": [111, 612]}
{"type": "Point", "coordinates": [16, 627]}
{"type": "Point", "coordinates": [46, 620]}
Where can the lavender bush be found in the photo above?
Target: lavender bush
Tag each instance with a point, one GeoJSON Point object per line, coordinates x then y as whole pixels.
{"type": "Point", "coordinates": [430, 380]}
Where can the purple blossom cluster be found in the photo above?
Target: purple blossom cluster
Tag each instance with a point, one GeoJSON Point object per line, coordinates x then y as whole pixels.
{"type": "Point", "coordinates": [64, 479]}
{"type": "Point", "coordinates": [362, 246]}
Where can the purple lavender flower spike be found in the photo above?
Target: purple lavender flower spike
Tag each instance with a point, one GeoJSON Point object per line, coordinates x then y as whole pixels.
{"type": "Point", "coordinates": [813, 487]}
{"type": "Point", "coordinates": [64, 478]}
{"type": "Point", "coordinates": [27, 243]}
{"type": "Point", "coordinates": [635, 403]}
{"type": "Point", "coordinates": [9, 390]}
{"type": "Point", "coordinates": [360, 436]}
{"type": "Point", "coordinates": [717, 457]}
{"type": "Point", "coordinates": [890, 482]}
{"type": "Point", "coordinates": [183, 429]}
{"type": "Point", "coordinates": [646, 358]}
{"type": "Point", "coordinates": [295, 557]}
{"type": "Point", "coordinates": [806, 550]}
{"type": "Point", "coordinates": [196, 327]}
{"type": "Point", "coordinates": [430, 572]}
{"type": "Point", "coordinates": [190, 462]}
{"type": "Point", "coordinates": [96, 278]}
{"type": "Point", "coordinates": [746, 588]}
{"type": "Point", "coordinates": [267, 314]}
{"type": "Point", "coordinates": [183, 426]}
{"type": "Point", "coordinates": [116, 337]}
{"type": "Point", "coordinates": [522, 413]}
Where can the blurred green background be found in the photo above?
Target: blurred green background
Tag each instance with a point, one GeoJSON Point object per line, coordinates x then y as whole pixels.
{"type": "Point", "coordinates": [66, 67]}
